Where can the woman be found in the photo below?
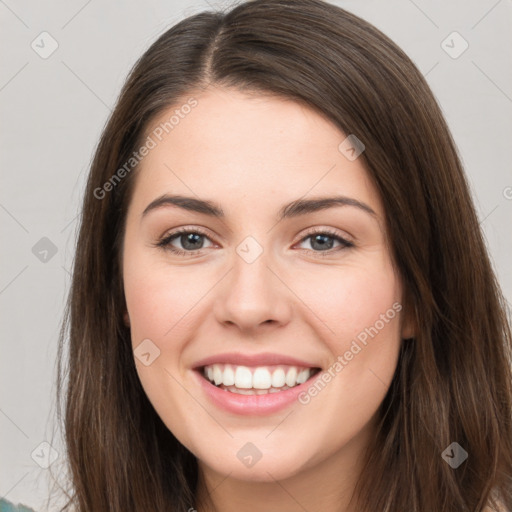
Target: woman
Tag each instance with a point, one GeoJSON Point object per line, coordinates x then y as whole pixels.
{"type": "Point", "coordinates": [281, 297]}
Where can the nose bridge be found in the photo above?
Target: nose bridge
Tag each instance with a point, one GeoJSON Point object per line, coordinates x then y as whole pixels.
{"type": "Point", "coordinates": [252, 294]}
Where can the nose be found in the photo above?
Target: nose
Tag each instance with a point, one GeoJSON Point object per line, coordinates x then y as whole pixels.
{"type": "Point", "coordinates": [254, 295]}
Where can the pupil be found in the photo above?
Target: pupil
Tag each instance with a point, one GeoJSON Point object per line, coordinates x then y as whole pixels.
{"type": "Point", "coordinates": [190, 239]}
{"type": "Point", "coordinates": [322, 241]}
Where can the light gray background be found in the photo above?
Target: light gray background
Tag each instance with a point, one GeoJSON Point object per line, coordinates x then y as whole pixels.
{"type": "Point", "coordinates": [53, 111]}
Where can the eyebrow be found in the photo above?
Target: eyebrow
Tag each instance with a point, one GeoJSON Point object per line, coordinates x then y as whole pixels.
{"type": "Point", "coordinates": [293, 209]}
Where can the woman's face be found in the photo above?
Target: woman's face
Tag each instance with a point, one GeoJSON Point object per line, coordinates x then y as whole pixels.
{"type": "Point", "coordinates": [267, 282]}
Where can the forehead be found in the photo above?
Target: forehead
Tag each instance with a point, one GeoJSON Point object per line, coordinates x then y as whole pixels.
{"type": "Point", "coordinates": [248, 147]}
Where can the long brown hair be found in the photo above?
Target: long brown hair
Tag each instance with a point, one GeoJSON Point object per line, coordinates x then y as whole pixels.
{"type": "Point", "coordinates": [453, 382]}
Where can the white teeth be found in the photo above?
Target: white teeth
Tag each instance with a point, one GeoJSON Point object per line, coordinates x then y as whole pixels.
{"type": "Point", "coordinates": [217, 375]}
{"type": "Point", "coordinates": [229, 376]}
{"type": "Point", "coordinates": [243, 377]}
{"type": "Point", "coordinates": [291, 377]}
{"type": "Point", "coordinates": [261, 378]}
{"type": "Point", "coordinates": [234, 389]}
{"type": "Point", "coordinates": [303, 376]}
{"type": "Point", "coordinates": [278, 378]}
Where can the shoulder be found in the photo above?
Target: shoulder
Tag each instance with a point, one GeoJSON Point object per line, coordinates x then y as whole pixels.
{"type": "Point", "coordinates": [7, 506]}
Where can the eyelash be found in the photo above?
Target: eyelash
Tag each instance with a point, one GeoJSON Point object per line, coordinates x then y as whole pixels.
{"type": "Point", "coordinates": [165, 242]}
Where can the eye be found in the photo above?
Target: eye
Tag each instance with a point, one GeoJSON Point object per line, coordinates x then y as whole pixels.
{"type": "Point", "coordinates": [324, 239]}
{"type": "Point", "coordinates": [190, 239]}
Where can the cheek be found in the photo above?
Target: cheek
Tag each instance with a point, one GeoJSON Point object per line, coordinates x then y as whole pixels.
{"type": "Point", "coordinates": [359, 306]}
{"type": "Point", "coordinates": [158, 302]}
{"type": "Point", "coordinates": [157, 298]}
{"type": "Point", "coordinates": [362, 309]}
{"type": "Point", "coordinates": [351, 298]}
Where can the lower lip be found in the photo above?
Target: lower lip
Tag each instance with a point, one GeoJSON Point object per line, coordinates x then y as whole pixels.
{"type": "Point", "coordinates": [252, 404]}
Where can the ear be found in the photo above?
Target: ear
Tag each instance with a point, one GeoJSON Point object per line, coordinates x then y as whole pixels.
{"type": "Point", "coordinates": [408, 330]}
{"type": "Point", "coordinates": [126, 319]}
{"type": "Point", "coordinates": [409, 327]}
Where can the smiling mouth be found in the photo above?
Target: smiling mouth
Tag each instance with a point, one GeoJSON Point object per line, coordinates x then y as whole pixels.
{"type": "Point", "coordinates": [260, 380]}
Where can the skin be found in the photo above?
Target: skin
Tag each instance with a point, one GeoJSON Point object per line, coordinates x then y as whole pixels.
{"type": "Point", "coordinates": [252, 154]}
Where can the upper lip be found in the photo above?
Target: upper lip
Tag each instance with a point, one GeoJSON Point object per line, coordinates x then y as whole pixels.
{"type": "Point", "coordinates": [263, 359]}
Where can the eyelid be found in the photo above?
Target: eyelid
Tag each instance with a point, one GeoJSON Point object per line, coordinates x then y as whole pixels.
{"type": "Point", "coordinates": [335, 233]}
{"type": "Point", "coordinates": [164, 241]}
{"type": "Point", "coordinates": [300, 238]}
